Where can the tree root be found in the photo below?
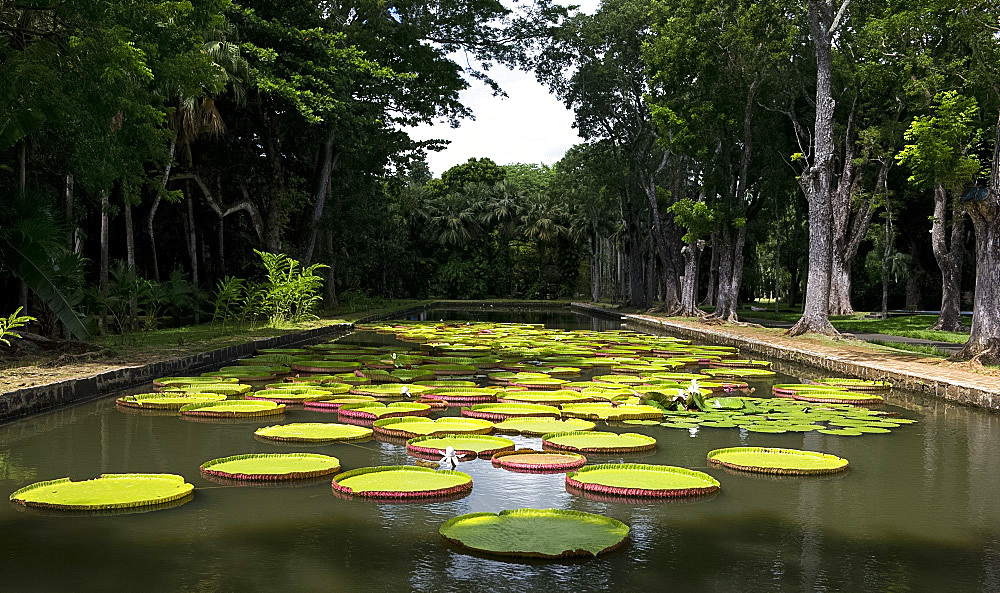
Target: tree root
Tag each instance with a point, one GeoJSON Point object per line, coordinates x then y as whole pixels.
{"type": "Point", "coordinates": [804, 325]}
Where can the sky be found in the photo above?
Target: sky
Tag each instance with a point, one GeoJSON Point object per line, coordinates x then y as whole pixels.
{"type": "Point", "coordinates": [527, 126]}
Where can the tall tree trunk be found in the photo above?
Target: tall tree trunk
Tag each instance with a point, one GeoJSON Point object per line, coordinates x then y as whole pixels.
{"type": "Point", "coordinates": [730, 276]}
{"type": "Point", "coordinates": [192, 238]}
{"type": "Point", "coordinates": [104, 254]}
{"type": "Point", "coordinates": [70, 222]}
{"type": "Point", "coordinates": [689, 286]}
{"type": "Point", "coordinates": [329, 162]}
{"type": "Point", "coordinates": [133, 306]}
{"type": "Point", "coordinates": [650, 272]}
{"type": "Point", "coordinates": [723, 277]}
{"type": "Point", "coordinates": [913, 274]}
{"type": "Point", "coordinates": [886, 254]}
{"type": "Point", "coordinates": [840, 265]}
{"type": "Point", "coordinates": [129, 237]}
{"type": "Point", "coordinates": [221, 258]}
{"type": "Point", "coordinates": [816, 178]}
{"type": "Point", "coordinates": [984, 341]}
{"type": "Point", "coordinates": [713, 270]}
{"type": "Point", "coordinates": [331, 274]}
{"type": "Point", "coordinates": [636, 295]}
{"type": "Point", "coordinates": [671, 302]}
{"type": "Point", "coordinates": [156, 203]}
{"type": "Point", "coordinates": [595, 267]}
{"type": "Point", "coordinates": [949, 259]}
{"type": "Point", "coordinates": [777, 259]}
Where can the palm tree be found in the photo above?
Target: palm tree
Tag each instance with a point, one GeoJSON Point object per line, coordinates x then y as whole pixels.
{"type": "Point", "coordinates": [454, 221]}
{"type": "Point", "coordinates": [194, 116]}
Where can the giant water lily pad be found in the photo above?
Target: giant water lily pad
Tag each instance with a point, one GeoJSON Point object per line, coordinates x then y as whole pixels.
{"type": "Point", "coordinates": [232, 388]}
{"type": "Point", "coordinates": [334, 403]}
{"type": "Point", "coordinates": [401, 481]}
{"type": "Point", "coordinates": [777, 461]}
{"type": "Point", "coordinates": [288, 396]}
{"type": "Point", "coordinates": [608, 411]}
{"type": "Point", "coordinates": [188, 381]}
{"type": "Point", "coordinates": [233, 409]}
{"type": "Point", "coordinates": [541, 533]}
{"type": "Point", "coordinates": [833, 397]}
{"type": "Point", "coordinates": [638, 479]}
{"type": "Point", "coordinates": [109, 491]}
{"type": "Point", "coordinates": [531, 461]}
{"type": "Point", "coordinates": [325, 366]}
{"type": "Point", "coordinates": [552, 398]}
{"type": "Point", "coordinates": [314, 432]}
{"type": "Point", "coordinates": [467, 445]}
{"type": "Point", "coordinates": [857, 384]}
{"type": "Point", "coordinates": [464, 395]}
{"type": "Point", "coordinates": [167, 401]}
{"type": "Point", "coordinates": [412, 427]}
{"type": "Point", "coordinates": [390, 390]}
{"type": "Point", "coordinates": [541, 426]}
{"type": "Point", "coordinates": [505, 411]}
{"type": "Point", "coordinates": [375, 410]}
{"type": "Point", "coordinates": [599, 442]}
{"type": "Point", "coordinates": [271, 466]}
{"type": "Point", "coordinates": [746, 374]}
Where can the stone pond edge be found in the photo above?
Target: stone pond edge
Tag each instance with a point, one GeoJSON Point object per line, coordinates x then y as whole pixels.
{"type": "Point", "coordinates": [951, 390]}
{"type": "Point", "coordinates": [37, 399]}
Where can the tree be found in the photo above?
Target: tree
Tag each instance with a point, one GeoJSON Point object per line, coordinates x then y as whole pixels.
{"type": "Point", "coordinates": [699, 220]}
{"type": "Point", "coordinates": [938, 154]}
{"type": "Point", "coordinates": [826, 17]}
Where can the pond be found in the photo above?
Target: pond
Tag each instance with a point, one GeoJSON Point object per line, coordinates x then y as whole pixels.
{"type": "Point", "coordinates": [915, 511]}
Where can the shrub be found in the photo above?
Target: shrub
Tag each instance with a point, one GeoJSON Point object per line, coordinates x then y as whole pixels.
{"type": "Point", "coordinates": [11, 323]}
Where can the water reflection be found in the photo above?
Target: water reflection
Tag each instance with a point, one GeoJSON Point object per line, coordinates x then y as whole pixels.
{"type": "Point", "coordinates": [915, 512]}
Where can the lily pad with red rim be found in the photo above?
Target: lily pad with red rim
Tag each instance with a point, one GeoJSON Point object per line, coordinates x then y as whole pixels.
{"type": "Point", "coordinates": [401, 481]}
{"type": "Point", "coordinates": [642, 480]}
{"type": "Point", "coordinates": [271, 466]}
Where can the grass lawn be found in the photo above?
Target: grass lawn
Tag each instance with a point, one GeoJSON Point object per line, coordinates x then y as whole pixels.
{"type": "Point", "coordinates": [208, 336]}
{"type": "Point", "coordinates": [909, 326]}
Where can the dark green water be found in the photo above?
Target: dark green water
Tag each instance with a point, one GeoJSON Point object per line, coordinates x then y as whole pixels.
{"type": "Point", "coordinates": [917, 511]}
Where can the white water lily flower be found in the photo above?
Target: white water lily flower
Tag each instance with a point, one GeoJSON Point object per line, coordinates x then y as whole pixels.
{"type": "Point", "coordinates": [450, 457]}
{"type": "Point", "coordinates": [694, 387]}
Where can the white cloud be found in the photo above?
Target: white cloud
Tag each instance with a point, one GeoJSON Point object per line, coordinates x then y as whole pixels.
{"type": "Point", "coordinates": [528, 126]}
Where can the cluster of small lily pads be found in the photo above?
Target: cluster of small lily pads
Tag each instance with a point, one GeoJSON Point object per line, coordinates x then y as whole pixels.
{"type": "Point", "coordinates": [505, 378]}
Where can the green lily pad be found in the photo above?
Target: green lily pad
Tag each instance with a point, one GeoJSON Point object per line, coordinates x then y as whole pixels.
{"type": "Point", "coordinates": [599, 442]}
{"type": "Point", "coordinates": [685, 425]}
{"type": "Point", "coordinates": [314, 432]}
{"type": "Point", "coordinates": [482, 445]}
{"type": "Point", "coordinates": [167, 401]}
{"type": "Point", "coordinates": [607, 411]}
{"type": "Point", "coordinates": [541, 533]}
{"type": "Point", "coordinates": [541, 426]}
{"type": "Point", "coordinates": [843, 432]}
{"type": "Point", "coordinates": [271, 466]}
{"type": "Point", "coordinates": [401, 481]}
{"type": "Point", "coordinates": [109, 491]}
{"type": "Point", "coordinates": [410, 427]}
{"type": "Point", "coordinates": [554, 398]}
{"type": "Point", "coordinates": [505, 411]}
{"type": "Point", "coordinates": [638, 479]}
{"type": "Point", "coordinates": [233, 409]}
{"type": "Point", "coordinates": [777, 461]}
{"type": "Point", "coordinates": [374, 410]}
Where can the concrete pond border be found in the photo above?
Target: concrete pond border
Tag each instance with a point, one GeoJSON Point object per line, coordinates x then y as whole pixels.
{"type": "Point", "coordinates": [963, 392]}
{"type": "Point", "coordinates": [42, 398]}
